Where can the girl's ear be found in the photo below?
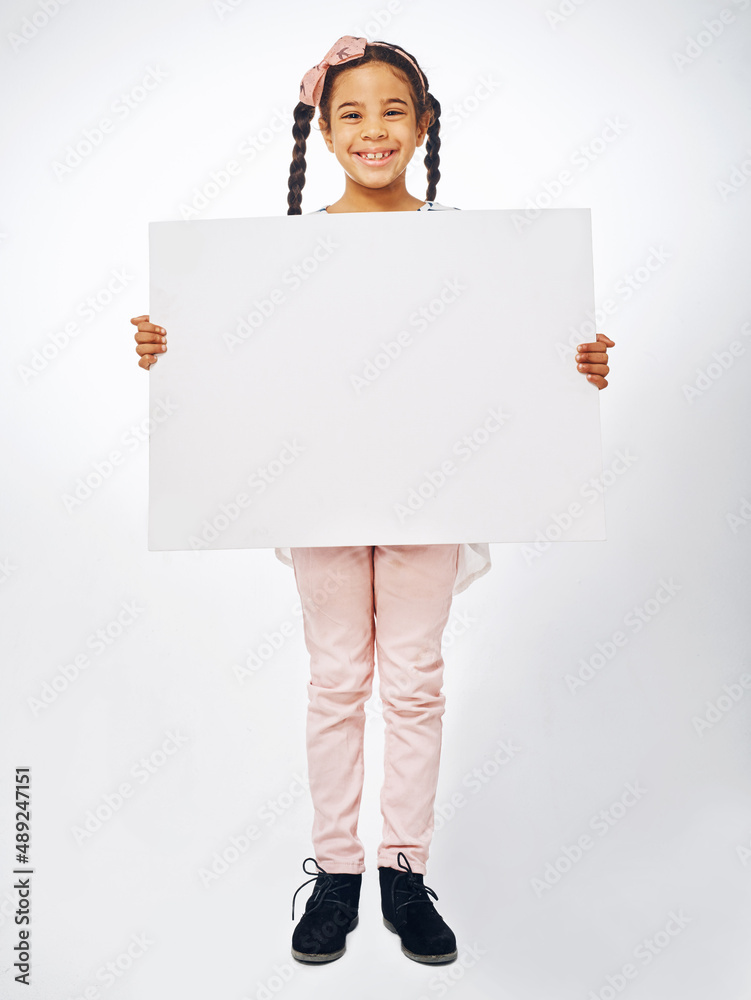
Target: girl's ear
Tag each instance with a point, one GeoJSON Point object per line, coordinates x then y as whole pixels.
{"type": "Point", "coordinates": [422, 129]}
{"type": "Point", "coordinates": [326, 133]}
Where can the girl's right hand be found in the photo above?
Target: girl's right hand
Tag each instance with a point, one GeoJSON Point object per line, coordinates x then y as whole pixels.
{"type": "Point", "coordinates": [147, 336]}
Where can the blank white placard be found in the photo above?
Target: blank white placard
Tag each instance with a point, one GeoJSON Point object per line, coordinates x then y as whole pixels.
{"type": "Point", "coordinates": [372, 378]}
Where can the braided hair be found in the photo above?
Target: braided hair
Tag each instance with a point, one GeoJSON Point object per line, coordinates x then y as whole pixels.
{"type": "Point", "coordinates": [425, 104]}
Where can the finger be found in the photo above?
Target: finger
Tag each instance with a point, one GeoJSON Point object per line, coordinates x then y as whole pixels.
{"type": "Point", "coordinates": [598, 380]}
{"type": "Point", "coordinates": [597, 345]}
{"type": "Point", "coordinates": [140, 319]}
{"type": "Point", "coordinates": [149, 338]}
{"type": "Point", "coordinates": [147, 349]}
{"type": "Point", "coordinates": [144, 327]}
{"type": "Point", "coordinates": [594, 369]}
{"type": "Point", "coordinates": [147, 361]}
{"type": "Point", "coordinates": [594, 357]}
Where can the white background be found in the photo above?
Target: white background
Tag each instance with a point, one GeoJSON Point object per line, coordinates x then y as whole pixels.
{"type": "Point", "coordinates": [522, 96]}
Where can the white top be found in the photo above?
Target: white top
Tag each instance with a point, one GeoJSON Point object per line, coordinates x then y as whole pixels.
{"type": "Point", "coordinates": [474, 557]}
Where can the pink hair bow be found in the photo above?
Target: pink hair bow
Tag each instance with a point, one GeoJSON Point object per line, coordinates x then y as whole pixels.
{"type": "Point", "coordinates": [345, 48]}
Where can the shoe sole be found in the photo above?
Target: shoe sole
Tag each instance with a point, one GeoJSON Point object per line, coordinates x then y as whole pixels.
{"type": "Point", "coordinates": [425, 959]}
{"type": "Point", "coordinates": [312, 959]}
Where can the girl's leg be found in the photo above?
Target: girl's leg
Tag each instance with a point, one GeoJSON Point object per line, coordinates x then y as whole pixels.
{"type": "Point", "coordinates": [413, 587]}
{"type": "Point", "coordinates": [336, 590]}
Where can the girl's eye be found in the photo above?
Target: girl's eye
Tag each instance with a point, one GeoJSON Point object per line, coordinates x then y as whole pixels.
{"type": "Point", "coordinates": [391, 111]}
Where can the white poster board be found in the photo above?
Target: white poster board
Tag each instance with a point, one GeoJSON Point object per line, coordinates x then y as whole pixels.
{"type": "Point", "coordinates": [371, 378]}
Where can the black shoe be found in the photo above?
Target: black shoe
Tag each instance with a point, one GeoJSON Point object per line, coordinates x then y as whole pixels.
{"type": "Point", "coordinates": [408, 912]}
{"type": "Point", "coordinates": [330, 914]}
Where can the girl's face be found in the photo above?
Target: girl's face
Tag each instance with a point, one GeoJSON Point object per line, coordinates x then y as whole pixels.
{"type": "Point", "coordinates": [372, 112]}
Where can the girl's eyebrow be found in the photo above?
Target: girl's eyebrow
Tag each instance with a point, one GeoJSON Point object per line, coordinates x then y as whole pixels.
{"type": "Point", "coordinates": [386, 100]}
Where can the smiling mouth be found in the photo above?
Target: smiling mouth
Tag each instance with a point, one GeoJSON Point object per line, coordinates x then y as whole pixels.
{"type": "Point", "coordinates": [375, 157]}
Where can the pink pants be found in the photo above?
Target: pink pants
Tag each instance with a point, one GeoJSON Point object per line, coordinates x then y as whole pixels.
{"type": "Point", "coordinates": [407, 589]}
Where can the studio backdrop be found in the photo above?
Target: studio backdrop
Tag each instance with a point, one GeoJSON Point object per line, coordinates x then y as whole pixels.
{"type": "Point", "coordinates": [593, 817]}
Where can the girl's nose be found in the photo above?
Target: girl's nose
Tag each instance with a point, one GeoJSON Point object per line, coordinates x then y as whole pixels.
{"type": "Point", "coordinates": [372, 129]}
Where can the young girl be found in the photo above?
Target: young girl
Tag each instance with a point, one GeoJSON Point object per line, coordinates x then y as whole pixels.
{"type": "Point", "coordinates": [375, 108]}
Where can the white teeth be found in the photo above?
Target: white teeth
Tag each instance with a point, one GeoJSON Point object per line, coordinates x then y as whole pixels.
{"type": "Point", "coordinates": [374, 156]}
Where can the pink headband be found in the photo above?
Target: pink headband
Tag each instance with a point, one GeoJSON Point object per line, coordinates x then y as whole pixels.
{"type": "Point", "coordinates": [345, 48]}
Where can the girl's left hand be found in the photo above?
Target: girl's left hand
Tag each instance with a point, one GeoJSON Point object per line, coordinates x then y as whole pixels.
{"type": "Point", "coordinates": [592, 360]}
